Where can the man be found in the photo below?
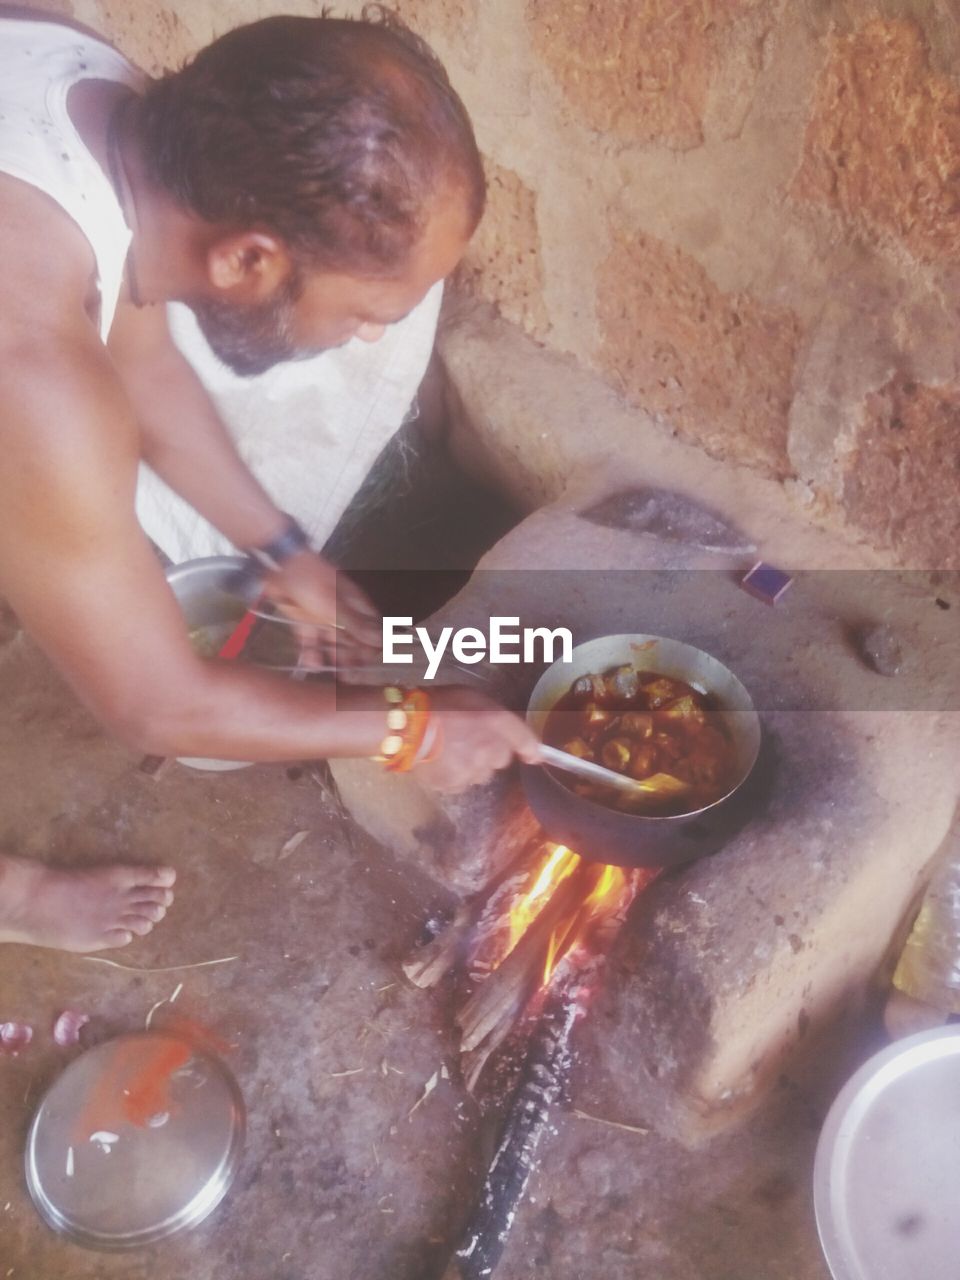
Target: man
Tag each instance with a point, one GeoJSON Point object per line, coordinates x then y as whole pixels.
{"type": "Point", "coordinates": [303, 182]}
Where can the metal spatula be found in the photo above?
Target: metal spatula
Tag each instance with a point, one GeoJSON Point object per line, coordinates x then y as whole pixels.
{"type": "Point", "coordinates": [658, 784]}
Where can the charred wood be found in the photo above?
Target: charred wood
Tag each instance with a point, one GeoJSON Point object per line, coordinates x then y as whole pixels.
{"type": "Point", "coordinates": [544, 1077]}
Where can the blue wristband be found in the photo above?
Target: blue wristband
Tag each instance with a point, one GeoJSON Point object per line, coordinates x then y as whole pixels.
{"type": "Point", "coordinates": [282, 548]}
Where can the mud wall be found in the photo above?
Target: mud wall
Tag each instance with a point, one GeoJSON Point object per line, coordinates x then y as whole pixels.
{"type": "Point", "coordinates": [743, 214]}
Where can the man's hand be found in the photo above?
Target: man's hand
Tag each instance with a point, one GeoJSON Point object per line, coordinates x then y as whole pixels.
{"type": "Point", "coordinates": [332, 612]}
{"type": "Point", "coordinates": [478, 737]}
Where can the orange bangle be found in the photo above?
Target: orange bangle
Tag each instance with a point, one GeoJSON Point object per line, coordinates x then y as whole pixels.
{"type": "Point", "coordinates": [432, 743]}
{"type": "Point", "coordinates": [417, 708]}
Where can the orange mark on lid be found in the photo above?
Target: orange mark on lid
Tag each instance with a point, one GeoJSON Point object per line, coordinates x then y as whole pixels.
{"type": "Point", "coordinates": [148, 1092]}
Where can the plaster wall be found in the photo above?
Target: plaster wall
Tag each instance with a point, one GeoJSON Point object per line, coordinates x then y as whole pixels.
{"type": "Point", "coordinates": [741, 214]}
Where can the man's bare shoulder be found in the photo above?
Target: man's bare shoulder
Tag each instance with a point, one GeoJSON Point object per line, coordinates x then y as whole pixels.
{"type": "Point", "coordinates": [62, 408]}
{"type": "Point", "coordinates": [48, 264]}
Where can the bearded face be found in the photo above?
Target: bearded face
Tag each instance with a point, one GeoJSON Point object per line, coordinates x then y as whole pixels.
{"type": "Point", "coordinates": [253, 337]}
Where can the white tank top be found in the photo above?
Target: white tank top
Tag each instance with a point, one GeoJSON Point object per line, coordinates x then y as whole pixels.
{"type": "Point", "coordinates": [39, 63]}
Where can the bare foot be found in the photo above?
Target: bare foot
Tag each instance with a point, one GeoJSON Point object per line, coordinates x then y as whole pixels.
{"type": "Point", "coordinates": [81, 910]}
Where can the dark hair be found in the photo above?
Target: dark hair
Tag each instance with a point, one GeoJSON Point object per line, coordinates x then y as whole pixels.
{"type": "Point", "coordinates": [334, 134]}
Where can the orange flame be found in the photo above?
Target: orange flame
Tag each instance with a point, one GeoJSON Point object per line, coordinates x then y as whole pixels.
{"type": "Point", "coordinates": [550, 962]}
{"type": "Point", "coordinates": [602, 899]}
{"type": "Point", "coordinates": [561, 863]}
{"type": "Point", "coordinates": [609, 885]}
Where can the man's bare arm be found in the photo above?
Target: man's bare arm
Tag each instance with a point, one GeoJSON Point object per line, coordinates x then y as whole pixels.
{"type": "Point", "coordinates": [74, 563]}
{"type": "Point", "coordinates": [83, 579]}
{"type": "Point", "coordinates": [182, 435]}
{"type": "Point", "coordinates": [86, 584]}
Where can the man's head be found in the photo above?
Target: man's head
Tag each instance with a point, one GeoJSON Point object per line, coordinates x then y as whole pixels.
{"type": "Point", "coordinates": [336, 170]}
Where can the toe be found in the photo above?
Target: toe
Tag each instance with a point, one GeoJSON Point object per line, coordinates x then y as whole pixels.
{"type": "Point", "coordinates": [152, 911]}
{"type": "Point", "coordinates": [158, 897]}
{"type": "Point", "coordinates": [138, 925]}
{"type": "Point", "coordinates": [117, 938]}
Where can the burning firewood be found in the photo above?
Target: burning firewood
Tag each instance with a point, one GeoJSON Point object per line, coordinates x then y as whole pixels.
{"type": "Point", "coordinates": [435, 959]}
{"type": "Point", "coordinates": [533, 953]}
{"type": "Point", "coordinates": [507, 990]}
{"type": "Point", "coordinates": [480, 933]}
{"type": "Point", "coordinates": [491, 1014]}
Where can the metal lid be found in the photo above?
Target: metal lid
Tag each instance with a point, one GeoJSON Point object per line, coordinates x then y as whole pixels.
{"type": "Point", "coordinates": [139, 1138]}
{"type": "Point", "coordinates": [888, 1165]}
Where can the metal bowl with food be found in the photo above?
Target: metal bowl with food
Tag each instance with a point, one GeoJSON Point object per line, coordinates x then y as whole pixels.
{"type": "Point", "coordinates": [205, 592]}
{"type": "Point", "coordinates": [657, 710]}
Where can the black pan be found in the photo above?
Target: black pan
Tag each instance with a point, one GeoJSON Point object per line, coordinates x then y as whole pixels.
{"type": "Point", "coordinates": [600, 834]}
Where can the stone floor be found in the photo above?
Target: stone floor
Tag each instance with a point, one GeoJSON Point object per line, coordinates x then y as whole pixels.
{"type": "Point", "coordinates": [341, 1179]}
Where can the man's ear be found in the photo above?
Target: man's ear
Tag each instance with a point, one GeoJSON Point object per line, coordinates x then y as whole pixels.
{"type": "Point", "coordinates": [249, 265]}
